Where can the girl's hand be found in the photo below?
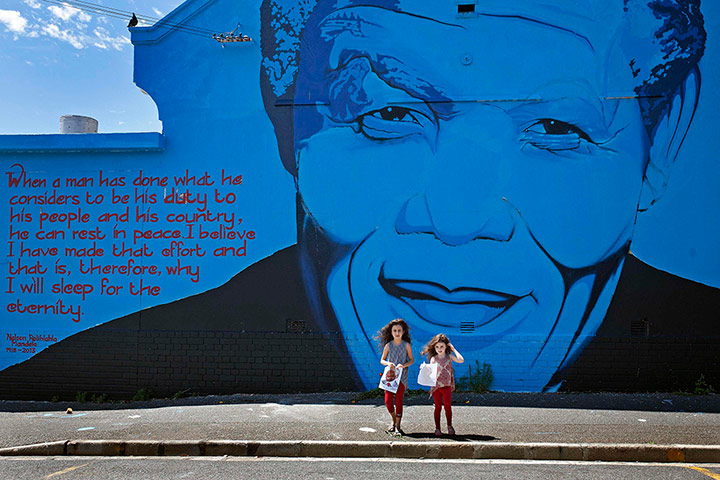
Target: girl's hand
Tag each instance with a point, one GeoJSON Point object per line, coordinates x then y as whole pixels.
{"type": "Point", "coordinates": [456, 356]}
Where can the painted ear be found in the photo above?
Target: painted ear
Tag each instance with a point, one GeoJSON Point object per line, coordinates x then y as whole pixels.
{"type": "Point", "coordinates": [667, 140]}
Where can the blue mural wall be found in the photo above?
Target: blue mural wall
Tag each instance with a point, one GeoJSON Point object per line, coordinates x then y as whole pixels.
{"type": "Point", "coordinates": [525, 178]}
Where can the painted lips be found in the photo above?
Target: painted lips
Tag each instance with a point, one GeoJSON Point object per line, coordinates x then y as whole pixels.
{"type": "Point", "coordinates": [441, 306]}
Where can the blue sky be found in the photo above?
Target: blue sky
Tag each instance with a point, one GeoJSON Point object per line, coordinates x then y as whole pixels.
{"type": "Point", "coordinates": [58, 60]}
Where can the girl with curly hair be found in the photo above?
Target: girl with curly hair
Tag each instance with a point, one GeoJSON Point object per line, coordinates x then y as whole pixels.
{"type": "Point", "coordinates": [397, 354]}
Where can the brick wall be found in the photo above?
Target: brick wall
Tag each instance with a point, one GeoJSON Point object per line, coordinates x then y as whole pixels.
{"type": "Point", "coordinates": [121, 362]}
{"type": "Point", "coordinates": [645, 364]}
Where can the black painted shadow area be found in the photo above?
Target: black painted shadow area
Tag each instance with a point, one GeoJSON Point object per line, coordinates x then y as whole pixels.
{"type": "Point", "coordinates": [455, 438]}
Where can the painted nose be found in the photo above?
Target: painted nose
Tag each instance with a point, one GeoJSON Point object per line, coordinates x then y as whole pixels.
{"type": "Point", "coordinates": [457, 224]}
{"type": "Point", "coordinates": [464, 198]}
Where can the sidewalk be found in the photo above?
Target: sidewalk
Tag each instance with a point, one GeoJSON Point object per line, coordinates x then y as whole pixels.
{"type": "Point", "coordinates": [624, 427]}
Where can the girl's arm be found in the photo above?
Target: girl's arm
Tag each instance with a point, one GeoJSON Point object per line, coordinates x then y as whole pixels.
{"type": "Point", "coordinates": [456, 356]}
{"type": "Point", "coordinates": [386, 350]}
{"type": "Point", "coordinates": [411, 360]}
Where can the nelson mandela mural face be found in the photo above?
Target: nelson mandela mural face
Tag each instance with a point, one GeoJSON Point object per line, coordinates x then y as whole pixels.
{"type": "Point", "coordinates": [477, 175]}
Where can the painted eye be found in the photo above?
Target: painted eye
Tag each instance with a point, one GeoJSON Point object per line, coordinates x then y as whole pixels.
{"type": "Point", "coordinates": [556, 127]}
{"type": "Point", "coordinates": [393, 122]}
{"type": "Point", "coordinates": [555, 135]}
{"type": "Point", "coordinates": [393, 114]}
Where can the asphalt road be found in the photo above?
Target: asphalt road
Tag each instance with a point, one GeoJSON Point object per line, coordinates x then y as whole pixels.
{"type": "Point", "coordinates": [330, 421]}
{"type": "Point", "coordinates": [222, 468]}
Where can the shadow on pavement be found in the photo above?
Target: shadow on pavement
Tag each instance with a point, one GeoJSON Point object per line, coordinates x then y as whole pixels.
{"type": "Point", "coordinates": [457, 438]}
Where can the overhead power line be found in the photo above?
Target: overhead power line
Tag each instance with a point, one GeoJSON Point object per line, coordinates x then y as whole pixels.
{"type": "Point", "coordinates": [98, 9]}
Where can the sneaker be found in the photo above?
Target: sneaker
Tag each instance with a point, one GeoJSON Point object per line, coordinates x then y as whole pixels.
{"type": "Point", "coordinates": [451, 430]}
{"type": "Point", "coordinates": [438, 433]}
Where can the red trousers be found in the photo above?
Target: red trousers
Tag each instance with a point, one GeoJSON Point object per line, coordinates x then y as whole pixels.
{"type": "Point", "coordinates": [443, 395]}
{"type": "Point", "coordinates": [394, 401]}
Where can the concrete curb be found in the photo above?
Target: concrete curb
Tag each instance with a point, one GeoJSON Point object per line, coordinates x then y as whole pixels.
{"type": "Point", "coordinates": [389, 449]}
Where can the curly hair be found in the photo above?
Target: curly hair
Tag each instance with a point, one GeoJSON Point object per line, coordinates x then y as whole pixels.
{"type": "Point", "coordinates": [429, 349]}
{"type": "Point", "coordinates": [384, 335]}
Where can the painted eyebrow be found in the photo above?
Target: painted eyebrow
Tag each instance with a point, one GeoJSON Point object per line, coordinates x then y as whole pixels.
{"type": "Point", "coordinates": [412, 84]}
{"type": "Point", "coordinates": [403, 79]}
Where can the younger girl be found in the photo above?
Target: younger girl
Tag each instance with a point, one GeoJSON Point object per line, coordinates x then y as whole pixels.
{"type": "Point", "coordinates": [396, 353]}
{"type": "Point", "coordinates": [439, 350]}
